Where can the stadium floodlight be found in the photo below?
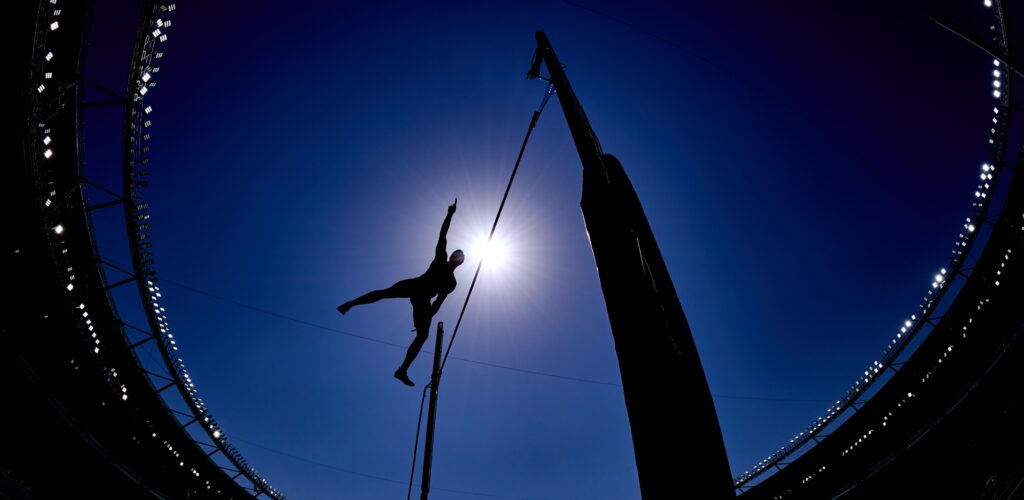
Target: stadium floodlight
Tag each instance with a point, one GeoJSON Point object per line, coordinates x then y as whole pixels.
{"type": "Point", "coordinates": [41, 88]}
{"type": "Point", "coordinates": [146, 77]}
{"type": "Point", "coordinates": [996, 83]}
{"type": "Point", "coordinates": [988, 3]}
{"type": "Point", "coordinates": [54, 25]}
{"type": "Point", "coordinates": [48, 153]}
{"type": "Point", "coordinates": [47, 141]}
{"type": "Point", "coordinates": [60, 229]}
{"type": "Point", "coordinates": [49, 56]}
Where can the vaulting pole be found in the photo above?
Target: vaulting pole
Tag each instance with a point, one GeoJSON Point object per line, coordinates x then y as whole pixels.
{"type": "Point", "coordinates": [677, 440]}
{"type": "Point", "coordinates": [428, 444]}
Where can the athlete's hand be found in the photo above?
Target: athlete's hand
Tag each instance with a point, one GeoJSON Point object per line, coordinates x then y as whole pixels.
{"type": "Point", "coordinates": [451, 208]}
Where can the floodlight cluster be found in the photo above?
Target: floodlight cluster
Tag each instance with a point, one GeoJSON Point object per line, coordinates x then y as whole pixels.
{"type": "Point", "coordinates": [60, 214]}
{"type": "Point", "coordinates": [139, 120]}
{"type": "Point", "coordinates": [988, 176]}
{"type": "Point", "coordinates": [47, 82]}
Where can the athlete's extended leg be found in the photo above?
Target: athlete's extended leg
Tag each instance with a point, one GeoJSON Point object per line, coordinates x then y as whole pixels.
{"type": "Point", "coordinates": [404, 288]}
{"type": "Point", "coordinates": [421, 320]}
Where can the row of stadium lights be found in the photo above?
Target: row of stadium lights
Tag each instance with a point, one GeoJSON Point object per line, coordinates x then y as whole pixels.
{"type": "Point", "coordinates": [946, 353]}
{"type": "Point", "coordinates": [909, 325]}
{"type": "Point", "coordinates": [146, 81]}
{"type": "Point", "coordinates": [51, 196]}
{"type": "Point", "coordinates": [170, 345]}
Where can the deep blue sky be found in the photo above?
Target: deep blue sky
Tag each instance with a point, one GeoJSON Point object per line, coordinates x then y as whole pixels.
{"type": "Point", "coordinates": [805, 171]}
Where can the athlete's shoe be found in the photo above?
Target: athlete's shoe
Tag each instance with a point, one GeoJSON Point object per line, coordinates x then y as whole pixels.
{"type": "Point", "coordinates": [404, 377]}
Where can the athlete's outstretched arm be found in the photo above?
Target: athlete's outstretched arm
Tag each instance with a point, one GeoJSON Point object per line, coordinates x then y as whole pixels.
{"type": "Point", "coordinates": [442, 241]}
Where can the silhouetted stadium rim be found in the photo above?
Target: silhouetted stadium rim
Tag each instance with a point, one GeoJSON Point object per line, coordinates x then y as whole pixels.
{"type": "Point", "coordinates": [946, 423]}
{"type": "Point", "coordinates": [85, 399]}
{"type": "Point", "coordinates": [941, 425]}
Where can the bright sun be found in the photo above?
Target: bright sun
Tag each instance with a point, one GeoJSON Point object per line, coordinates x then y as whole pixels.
{"type": "Point", "coordinates": [493, 254]}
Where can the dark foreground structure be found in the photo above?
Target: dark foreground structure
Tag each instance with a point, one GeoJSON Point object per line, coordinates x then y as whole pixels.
{"type": "Point", "coordinates": [82, 416]}
{"type": "Point", "coordinates": [676, 437]}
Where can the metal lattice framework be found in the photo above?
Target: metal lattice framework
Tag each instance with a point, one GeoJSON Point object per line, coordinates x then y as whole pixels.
{"type": "Point", "coordinates": [151, 436]}
{"type": "Point", "coordinates": [927, 316]}
{"type": "Point", "coordinates": [152, 34]}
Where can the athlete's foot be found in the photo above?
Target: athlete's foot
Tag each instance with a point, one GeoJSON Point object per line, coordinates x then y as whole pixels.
{"type": "Point", "coordinates": [344, 308]}
{"type": "Point", "coordinates": [404, 377]}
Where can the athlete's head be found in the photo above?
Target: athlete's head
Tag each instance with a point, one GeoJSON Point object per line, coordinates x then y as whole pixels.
{"type": "Point", "coordinates": [457, 258]}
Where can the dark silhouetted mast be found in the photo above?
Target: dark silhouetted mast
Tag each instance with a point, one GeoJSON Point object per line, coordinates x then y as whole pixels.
{"type": "Point", "coordinates": [676, 436]}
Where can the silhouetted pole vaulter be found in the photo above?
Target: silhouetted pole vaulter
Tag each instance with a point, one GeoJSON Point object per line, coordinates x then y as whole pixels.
{"type": "Point", "coordinates": [439, 280]}
{"type": "Point", "coordinates": [677, 440]}
{"type": "Point", "coordinates": [439, 362]}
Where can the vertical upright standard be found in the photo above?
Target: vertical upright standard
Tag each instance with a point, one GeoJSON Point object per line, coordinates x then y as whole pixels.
{"type": "Point", "coordinates": [428, 442]}
{"type": "Point", "coordinates": [677, 440]}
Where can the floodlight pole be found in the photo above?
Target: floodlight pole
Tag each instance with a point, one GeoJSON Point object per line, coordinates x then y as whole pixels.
{"type": "Point", "coordinates": [428, 445]}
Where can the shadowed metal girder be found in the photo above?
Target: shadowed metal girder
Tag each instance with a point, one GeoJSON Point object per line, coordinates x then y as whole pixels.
{"type": "Point", "coordinates": [676, 436]}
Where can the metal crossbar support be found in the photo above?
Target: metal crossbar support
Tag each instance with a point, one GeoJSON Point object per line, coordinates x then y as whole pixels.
{"type": "Point", "coordinates": [143, 341]}
{"type": "Point", "coordinates": [85, 180]}
{"type": "Point", "coordinates": [158, 375]}
{"type": "Point", "coordinates": [101, 88]}
{"type": "Point", "coordinates": [111, 203]}
{"type": "Point", "coordinates": [133, 327]}
{"type": "Point", "coordinates": [428, 444]}
{"type": "Point", "coordinates": [119, 283]}
{"type": "Point", "coordinates": [186, 415]}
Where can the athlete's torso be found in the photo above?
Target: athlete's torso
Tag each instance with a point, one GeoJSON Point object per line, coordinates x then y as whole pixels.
{"type": "Point", "coordinates": [440, 277]}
